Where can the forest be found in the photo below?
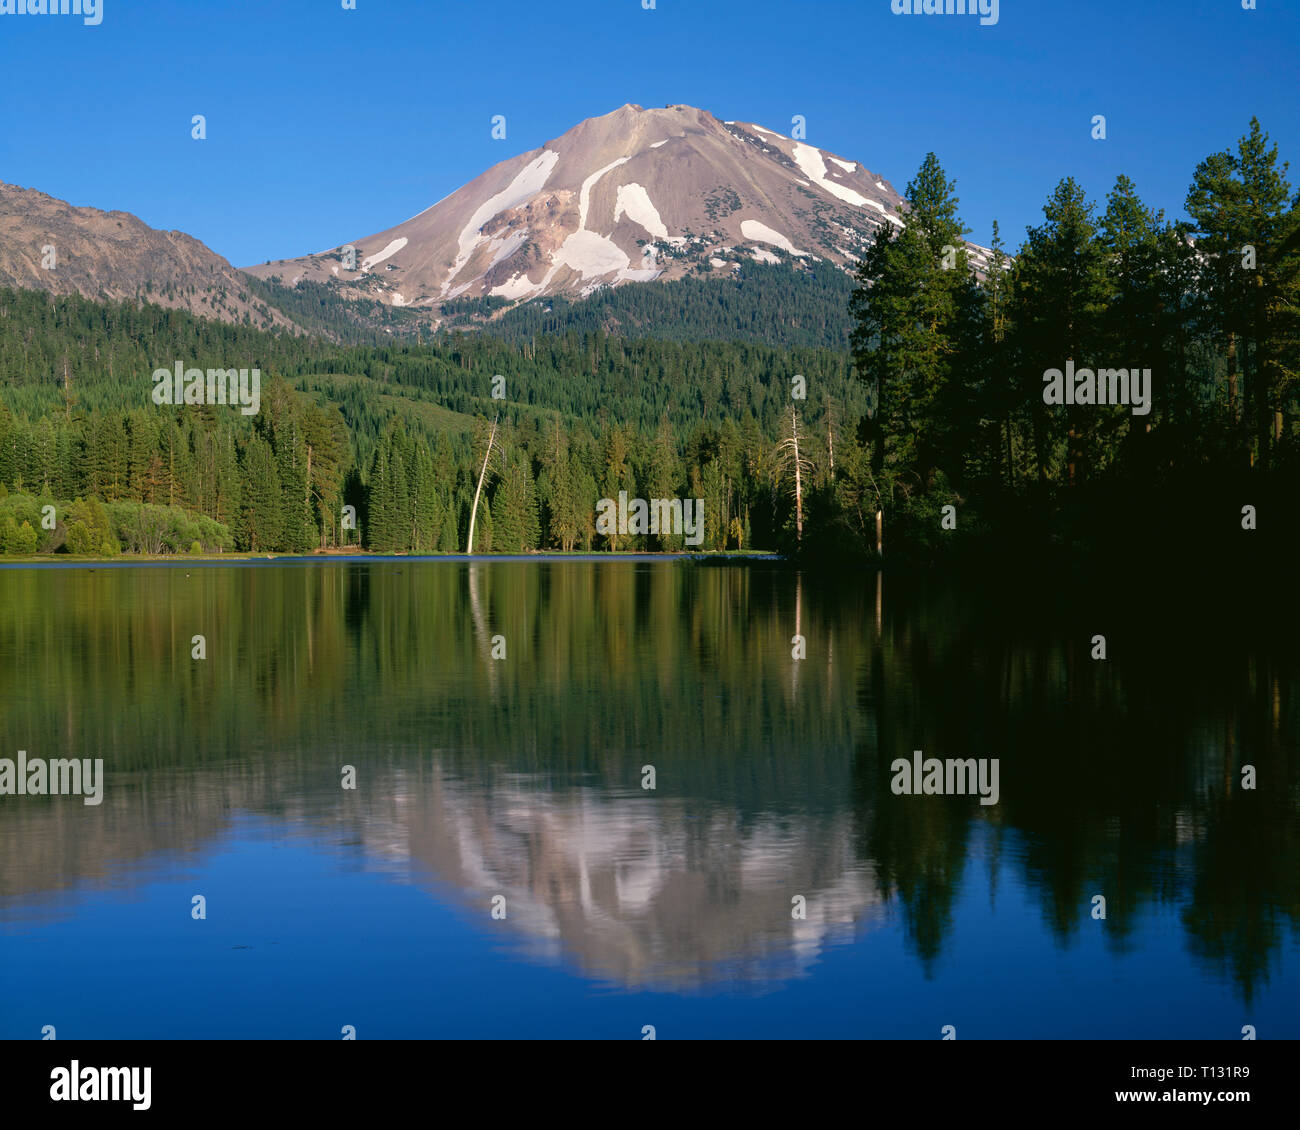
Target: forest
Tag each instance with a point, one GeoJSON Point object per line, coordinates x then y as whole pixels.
{"type": "Point", "coordinates": [1208, 304]}
{"type": "Point", "coordinates": [399, 432]}
{"type": "Point", "coordinates": [781, 304]}
{"type": "Point", "coordinates": [926, 435]}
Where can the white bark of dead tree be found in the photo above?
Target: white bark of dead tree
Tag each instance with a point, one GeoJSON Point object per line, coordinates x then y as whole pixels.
{"type": "Point", "coordinates": [789, 449]}
{"type": "Point", "coordinates": [473, 514]}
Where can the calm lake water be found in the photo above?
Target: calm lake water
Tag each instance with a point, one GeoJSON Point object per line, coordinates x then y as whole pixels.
{"type": "Point", "coordinates": [520, 778]}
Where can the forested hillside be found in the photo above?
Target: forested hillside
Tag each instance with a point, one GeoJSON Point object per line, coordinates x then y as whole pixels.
{"type": "Point", "coordinates": [399, 432]}
{"type": "Point", "coordinates": [318, 309]}
{"type": "Point", "coordinates": [939, 423]}
{"type": "Point", "coordinates": [769, 303]}
{"type": "Point", "coordinates": [778, 304]}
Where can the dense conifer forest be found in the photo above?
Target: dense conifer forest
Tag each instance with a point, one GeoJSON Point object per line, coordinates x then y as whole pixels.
{"type": "Point", "coordinates": [779, 304]}
{"type": "Point", "coordinates": [398, 432]}
{"type": "Point", "coordinates": [911, 405]}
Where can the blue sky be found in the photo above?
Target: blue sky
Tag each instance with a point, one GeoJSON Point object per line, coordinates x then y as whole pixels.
{"type": "Point", "coordinates": [326, 125]}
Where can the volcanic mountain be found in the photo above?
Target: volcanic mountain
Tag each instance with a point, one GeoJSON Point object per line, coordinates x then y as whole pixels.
{"type": "Point", "coordinates": [634, 195]}
{"type": "Point", "coordinates": [48, 244]}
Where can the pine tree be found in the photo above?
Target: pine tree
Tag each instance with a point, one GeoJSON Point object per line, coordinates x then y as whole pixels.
{"type": "Point", "coordinates": [995, 368]}
{"type": "Point", "coordinates": [261, 516]}
{"type": "Point", "coordinates": [1240, 204]}
{"type": "Point", "coordinates": [904, 340]}
{"type": "Point", "coordinates": [1133, 321]}
{"type": "Point", "coordinates": [514, 508]}
{"type": "Point", "coordinates": [663, 479]}
{"type": "Point", "coordinates": [616, 475]}
{"type": "Point", "coordinates": [381, 507]}
{"type": "Point", "coordinates": [399, 510]}
{"type": "Point", "coordinates": [427, 508]}
{"type": "Point", "coordinates": [1060, 289]}
{"type": "Point", "coordinates": [449, 533]}
{"type": "Point", "coordinates": [325, 433]}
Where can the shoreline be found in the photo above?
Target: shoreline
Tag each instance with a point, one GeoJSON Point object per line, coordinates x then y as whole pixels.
{"type": "Point", "coordinates": [263, 560]}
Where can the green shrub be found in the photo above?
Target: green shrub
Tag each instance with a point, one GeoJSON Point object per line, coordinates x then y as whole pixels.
{"type": "Point", "coordinates": [89, 528]}
{"type": "Point", "coordinates": [26, 540]}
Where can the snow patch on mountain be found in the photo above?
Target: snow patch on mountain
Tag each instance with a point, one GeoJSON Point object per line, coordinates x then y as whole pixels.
{"type": "Point", "coordinates": [635, 275]}
{"type": "Point", "coordinates": [752, 229]}
{"type": "Point", "coordinates": [517, 287]}
{"type": "Point", "coordinates": [635, 202]}
{"type": "Point", "coordinates": [589, 254]}
{"type": "Point", "coordinates": [584, 197]}
{"type": "Point", "coordinates": [847, 166]}
{"type": "Point", "coordinates": [593, 255]}
{"type": "Point", "coordinates": [392, 248]}
{"type": "Point", "coordinates": [529, 181]}
{"type": "Point", "coordinates": [814, 168]}
{"type": "Point", "coordinates": [503, 248]}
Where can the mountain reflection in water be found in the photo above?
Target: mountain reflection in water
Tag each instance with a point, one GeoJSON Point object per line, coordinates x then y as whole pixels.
{"type": "Point", "coordinates": [521, 777]}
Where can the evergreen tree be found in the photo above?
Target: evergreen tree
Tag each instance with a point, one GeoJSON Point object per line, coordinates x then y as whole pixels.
{"type": "Point", "coordinates": [261, 516]}
{"type": "Point", "coordinates": [1060, 288]}
{"type": "Point", "coordinates": [905, 309]}
{"type": "Point", "coordinates": [1244, 222]}
{"type": "Point", "coordinates": [1135, 321]}
{"type": "Point", "coordinates": [515, 522]}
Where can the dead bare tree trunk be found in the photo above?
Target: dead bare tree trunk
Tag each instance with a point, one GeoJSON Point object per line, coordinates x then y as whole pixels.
{"type": "Point", "coordinates": [798, 481]}
{"type": "Point", "coordinates": [473, 514]}
{"type": "Point", "coordinates": [830, 439]}
{"type": "Point", "coordinates": [788, 450]}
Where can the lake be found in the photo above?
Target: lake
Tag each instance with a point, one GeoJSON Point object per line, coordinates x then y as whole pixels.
{"type": "Point", "coordinates": [409, 797]}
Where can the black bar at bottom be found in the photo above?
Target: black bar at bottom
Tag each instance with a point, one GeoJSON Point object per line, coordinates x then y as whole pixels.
{"type": "Point", "coordinates": [335, 1078]}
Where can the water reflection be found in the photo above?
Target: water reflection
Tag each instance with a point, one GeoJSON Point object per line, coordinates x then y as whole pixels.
{"type": "Point", "coordinates": [521, 776]}
{"type": "Point", "coordinates": [634, 890]}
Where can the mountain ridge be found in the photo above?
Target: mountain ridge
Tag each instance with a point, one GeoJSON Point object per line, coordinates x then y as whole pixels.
{"type": "Point", "coordinates": [49, 244]}
{"type": "Point", "coordinates": [633, 195]}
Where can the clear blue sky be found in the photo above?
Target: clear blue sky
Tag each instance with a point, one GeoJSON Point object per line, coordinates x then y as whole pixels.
{"type": "Point", "coordinates": [326, 125]}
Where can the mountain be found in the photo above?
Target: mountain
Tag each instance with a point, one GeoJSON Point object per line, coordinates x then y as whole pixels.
{"type": "Point", "coordinates": [663, 222]}
{"type": "Point", "coordinates": [633, 196]}
{"type": "Point", "coordinates": [116, 256]}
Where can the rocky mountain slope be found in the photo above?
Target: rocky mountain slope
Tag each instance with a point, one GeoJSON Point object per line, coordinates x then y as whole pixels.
{"type": "Point", "coordinates": [48, 244]}
{"type": "Point", "coordinates": [635, 195]}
